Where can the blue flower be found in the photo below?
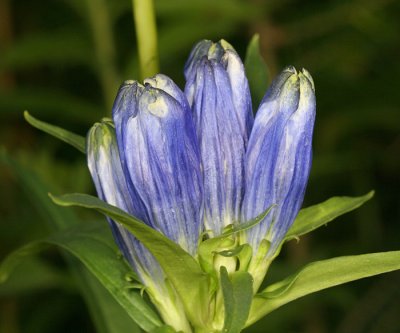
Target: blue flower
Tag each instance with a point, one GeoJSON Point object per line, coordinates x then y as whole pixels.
{"type": "Point", "coordinates": [197, 161]}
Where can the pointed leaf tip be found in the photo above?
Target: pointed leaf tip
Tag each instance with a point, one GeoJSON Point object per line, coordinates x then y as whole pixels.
{"type": "Point", "coordinates": [75, 140]}
{"type": "Point", "coordinates": [321, 275]}
{"type": "Point", "coordinates": [313, 217]}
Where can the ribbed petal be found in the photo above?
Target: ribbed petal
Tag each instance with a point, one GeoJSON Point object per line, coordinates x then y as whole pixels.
{"type": "Point", "coordinates": [109, 179]}
{"type": "Point", "coordinates": [222, 145]}
{"type": "Point", "coordinates": [223, 53]}
{"type": "Point", "coordinates": [125, 106]}
{"type": "Point", "coordinates": [219, 95]}
{"type": "Point", "coordinates": [199, 51]}
{"type": "Point", "coordinates": [278, 158]}
{"type": "Point", "coordinates": [161, 156]}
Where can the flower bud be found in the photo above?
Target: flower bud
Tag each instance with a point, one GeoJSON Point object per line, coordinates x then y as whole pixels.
{"type": "Point", "coordinates": [160, 156]}
{"type": "Point", "coordinates": [109, 179]}
{"type": "Point", "coordinates": [278, 158]}
{"type": "Point", "coordinates": [218, 93]}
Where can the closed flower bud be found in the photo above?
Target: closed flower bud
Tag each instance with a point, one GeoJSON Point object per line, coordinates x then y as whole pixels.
{"type": "Point", "coordinates": [278, 158]}
{"type": "Point", "coordinates": [218, 93]}
{"type": "Point", "coordinates": [160, 157]}
{"type": "Point", "coordinates": [109, 179]}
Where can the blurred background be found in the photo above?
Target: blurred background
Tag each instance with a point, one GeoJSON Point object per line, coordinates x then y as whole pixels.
{"type": "Point", "coordinates": [63, 60]}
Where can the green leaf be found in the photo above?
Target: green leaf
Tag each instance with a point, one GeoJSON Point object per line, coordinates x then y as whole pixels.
{"type": "Point", "coordinates": [238, 294]}
{"type": "Point", "coordinates": [180, 267]}
{"type": "Point", "coordinates": [73, 139]}
{"type": "Point", "coordinates": [321, 275]}
{"type": "Point", "coordinates": [12, 260]}
{"type": "Point", "coordinates": [55, 217]}
{"type": "Point", "coordinates": [92, 247]}
{"type": "Point", "coordinates": [104, 308]}
{"type": "Point", "coordinates": [256, 71]}
{"type": "Point", "coordinates": [107, 314]}
{"type": "Point", "coordinates": [313, 217]}
{"type": "Point", "coordinates": [42, 276]}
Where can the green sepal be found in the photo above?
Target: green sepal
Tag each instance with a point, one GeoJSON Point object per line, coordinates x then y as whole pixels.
{"type": "Point", "coordinates": [237, 291]}
{"type": "Point", "coordinates": [320, 275]}
{"type": "Point", "coordinates": [238, 227]}
{"type": "Point", "coordinates": [313, 217]}
{"type": "Point", "coordinates": [73, 139]}
{"type": "Point", "coordinates": [91, 247]}
{"type": "Point", "coordinates": [259, 263]}
{"type": "Point", "coordinates": [256, 71]}
{"type": "Point", "coordinates": [191, 283]}
{"type": "Point", "coordinates": [244, 257]}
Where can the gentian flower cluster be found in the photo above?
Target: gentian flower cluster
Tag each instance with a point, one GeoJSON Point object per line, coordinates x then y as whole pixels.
{"type": "Point", "coordinates": [193, 164]}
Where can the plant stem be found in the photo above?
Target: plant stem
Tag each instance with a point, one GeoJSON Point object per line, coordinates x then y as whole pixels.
{"type": "Point", "coordinates": [146, 34]}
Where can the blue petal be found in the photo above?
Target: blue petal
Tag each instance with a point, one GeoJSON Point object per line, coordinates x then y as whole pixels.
{"type": "Point", "coordinates": [222, 145]}
{"type": "Point", "coordinates": [199, 51]}
{"type": "Point", "coordinates": [162, 161]}
{"type": "Point", "coordinates": [223, 53]}
{"type": "Point", "coordinates": [218, 92]}
{"type": "Point", "coordinates": [278, 159]}
{"type": "Point", "coordinates": [125, 106]}
{"type": "Point", "coordinates": [109, 179]}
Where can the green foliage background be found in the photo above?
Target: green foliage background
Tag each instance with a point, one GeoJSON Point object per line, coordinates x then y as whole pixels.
{"type": "Point", "coordinates": [63, 61]}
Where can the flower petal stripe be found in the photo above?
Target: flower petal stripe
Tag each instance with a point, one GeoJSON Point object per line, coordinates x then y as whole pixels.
{"type": "Point", "coordinates": [162, 161]}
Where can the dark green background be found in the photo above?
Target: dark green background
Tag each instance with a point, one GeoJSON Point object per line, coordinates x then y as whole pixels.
{"type": "Point", "coordinates": [63, 61]}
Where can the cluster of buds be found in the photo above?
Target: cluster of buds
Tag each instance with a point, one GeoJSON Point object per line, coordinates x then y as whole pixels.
{"type": "Point", "coordinates": [196, 166]}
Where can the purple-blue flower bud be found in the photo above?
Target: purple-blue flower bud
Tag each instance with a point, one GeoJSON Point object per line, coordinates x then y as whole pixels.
{"type": "Point", "coordinates": [218, 93]}
{"type": "Point", "coordinates": [110, 182]}
{"type": "Point", "coordinates": [160, 158]}
{"type": "Point", "coordinates": [278, 158]}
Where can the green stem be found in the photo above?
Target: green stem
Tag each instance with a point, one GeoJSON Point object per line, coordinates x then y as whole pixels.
{"type": "Point", "coordinates": [101, 25]}
{"type": "Point", "coordinates": [146, 34]}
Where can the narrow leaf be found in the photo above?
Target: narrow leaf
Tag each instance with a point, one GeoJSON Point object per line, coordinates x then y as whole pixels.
{"type": "Point", "coordinates": [321, 275]}
{"type": "Point", "coordinates": [257, 71]}
{"type": "Point", "coordinates": [12, 260]}
{"type": "Point", "coordinates": [313, 217]}
{"type": "Point", "coordinates": [180, 267]}
{"type": "Point", "coordinates": [73, 139]}
{"type": "Point", "coordinates": [42, 276]}
{"type": "Point", "coordinates": [88, 245]}
{"type": "Point", "coordinates": [238, 293]}
{"type": "Point", "coordinates": [112, 317]}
